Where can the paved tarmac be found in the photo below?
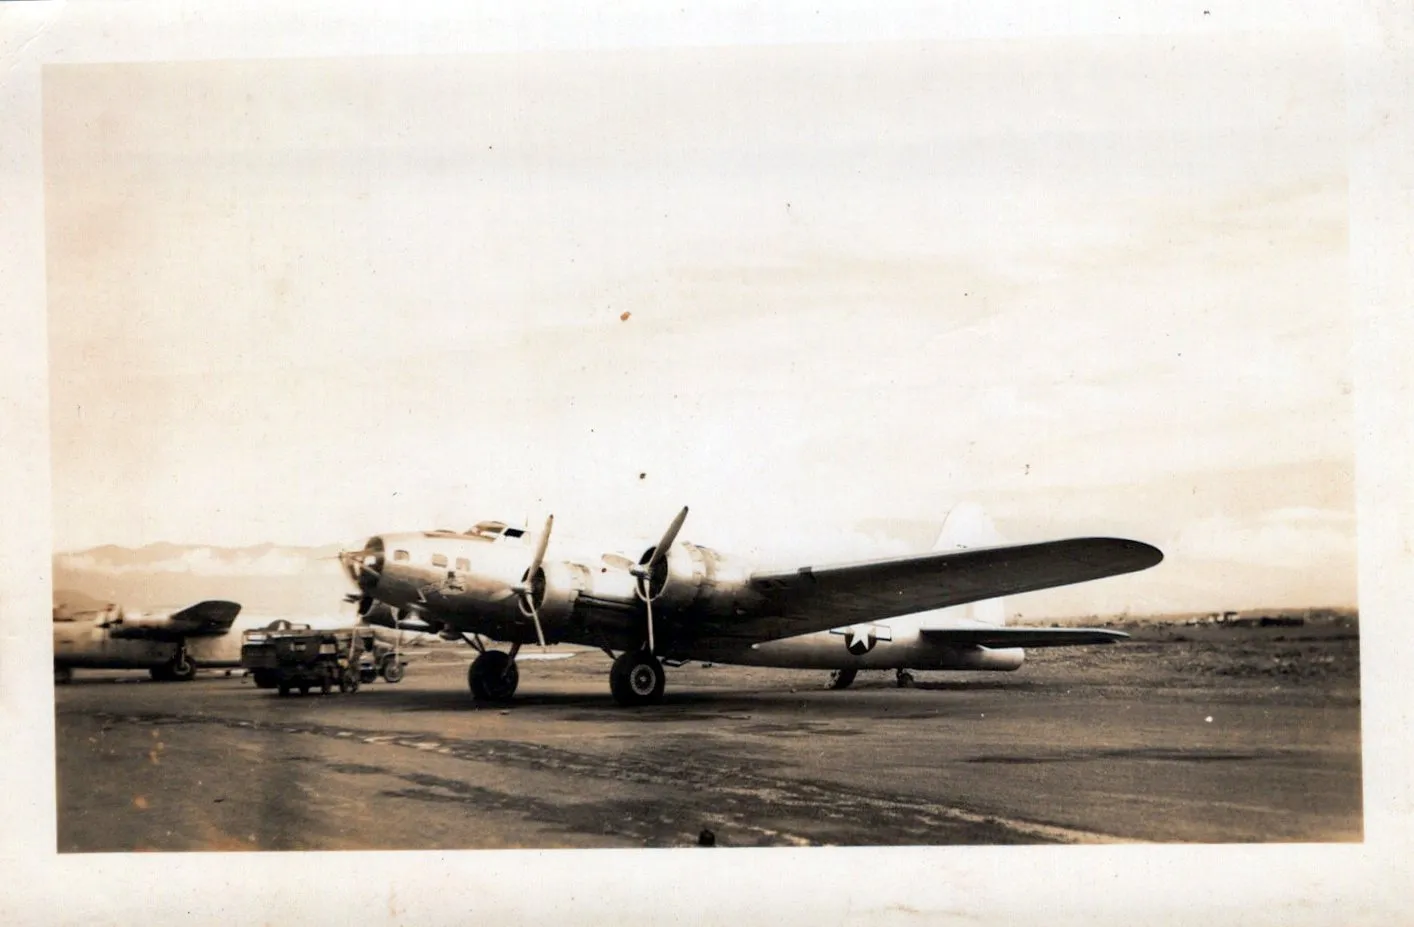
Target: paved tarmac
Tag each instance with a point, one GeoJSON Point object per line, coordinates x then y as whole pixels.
{"type": "Point", "coordinates": [1084, 750]}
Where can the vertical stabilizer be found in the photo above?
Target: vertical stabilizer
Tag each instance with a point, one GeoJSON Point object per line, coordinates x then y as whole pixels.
{"type": "Point", "coordinates": [967, 527]}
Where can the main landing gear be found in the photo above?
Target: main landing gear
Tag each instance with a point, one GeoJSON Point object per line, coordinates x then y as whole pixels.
{"type": "Point", "coordinates": [637, 679]}
{"type": "Point", "coordinates": [180, 669]}
{"type": "Point", "coordinates": [493, 676]}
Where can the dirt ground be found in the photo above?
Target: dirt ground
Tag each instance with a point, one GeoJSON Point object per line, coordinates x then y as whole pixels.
{"type": "Point", "coordinates": [1182, 734]}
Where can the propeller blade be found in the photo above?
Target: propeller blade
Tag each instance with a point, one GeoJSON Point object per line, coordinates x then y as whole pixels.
{"type": "Point", "coordinates": [666, 543]}
{"type": "Point", "coordinates": [648, 601]}
{"type": "Point", "coordinates": [535, 617]}
{"type": "Point", "coordinates": [540, 549]}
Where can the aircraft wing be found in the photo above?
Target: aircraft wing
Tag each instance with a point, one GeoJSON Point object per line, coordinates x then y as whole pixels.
{"type": "Point", "coordinates": [817, 598]}
{"type": "Point", "coordinates": [1021, 637]}
{"type": "Point", "coordinates": [204, 619]}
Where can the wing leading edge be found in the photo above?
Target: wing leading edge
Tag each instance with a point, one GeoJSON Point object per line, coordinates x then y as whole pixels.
{"type": "Point", "coordinates": [817, 598]}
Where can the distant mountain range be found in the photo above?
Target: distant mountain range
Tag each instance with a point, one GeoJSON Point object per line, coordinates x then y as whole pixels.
{"type": "Point", "coordinates": [266, 578]}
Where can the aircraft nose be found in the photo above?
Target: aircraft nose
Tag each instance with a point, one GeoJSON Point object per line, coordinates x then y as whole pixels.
{"type": "Point", "coordinates": [365, 567]}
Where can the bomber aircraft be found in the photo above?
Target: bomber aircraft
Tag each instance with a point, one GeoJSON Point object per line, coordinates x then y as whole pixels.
{"type": "Point", "coordinates": [168, 646]}
{"type": "Point", "coordinates": [679, 602]}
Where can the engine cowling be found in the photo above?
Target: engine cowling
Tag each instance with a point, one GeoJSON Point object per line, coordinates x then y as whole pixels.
{"type": "Point", "coordinates": [556, 587]}
{"type": "Point", "coordinates": [697, 579]}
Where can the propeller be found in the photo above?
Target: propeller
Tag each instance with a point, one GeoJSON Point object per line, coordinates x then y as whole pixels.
{"type": "Point", "coordinates": [359, 564]}
{"type": "Point", "coordinates": [365, 602]}
{"type": "Point", "coordinates": [364, 567]}
{"type": "Point", "coordinates": [644, 572]}
{"type": "Point", "coordinates": [526, 589]}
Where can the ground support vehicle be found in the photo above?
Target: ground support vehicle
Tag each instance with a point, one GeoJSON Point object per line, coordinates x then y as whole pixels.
{"type": "Point", "coordinates": [287, 657]}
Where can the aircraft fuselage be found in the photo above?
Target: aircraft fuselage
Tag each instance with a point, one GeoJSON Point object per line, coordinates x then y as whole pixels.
{"type": "Point", "coordinates": [459, 583]}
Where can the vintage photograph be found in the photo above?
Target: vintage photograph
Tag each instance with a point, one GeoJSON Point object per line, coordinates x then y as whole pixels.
{"type": "Point", "coordinates": [872, 443]}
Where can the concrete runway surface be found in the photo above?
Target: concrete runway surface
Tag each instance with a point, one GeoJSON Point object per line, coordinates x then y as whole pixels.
{"type": "Point", "coordinates": [1191, 737]}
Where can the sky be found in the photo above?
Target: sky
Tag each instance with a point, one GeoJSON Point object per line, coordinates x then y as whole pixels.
{"type": "Point", "coordinates": [820, 293]}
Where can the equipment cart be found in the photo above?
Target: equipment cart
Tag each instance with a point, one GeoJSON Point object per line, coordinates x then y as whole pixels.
{"type": "Point", "coordinates": [288, 656]}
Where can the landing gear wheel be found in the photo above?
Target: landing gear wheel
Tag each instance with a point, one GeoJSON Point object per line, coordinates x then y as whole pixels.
{"type": "Point", "coordinates": [63, 675]}
{"type": "Point", "coordinates": [392, 670]}
{"type": "Point", "coordinates": [904, 679]}
{"type": "Point", "coordinates": [637, 678]}
{"type": "Point", "coordinates": [841, 678]}
{"type": "Point", "coordinates": [493, 677]}
{"type": "Point", "coordinates": [181, 669]}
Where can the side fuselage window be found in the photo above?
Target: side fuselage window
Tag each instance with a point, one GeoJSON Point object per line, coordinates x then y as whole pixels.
{"type": "Point", "coordinates": [463, 565]}
{"type": "Point", "coordinates": [439, 560]}
{"type": "Point", "coordinates": [400, 555]}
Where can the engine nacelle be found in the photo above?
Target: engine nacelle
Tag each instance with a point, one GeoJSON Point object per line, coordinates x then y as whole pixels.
{"type": "Point", "coordinates": [563, 581]}
{"type": "Point", "coordinates": [697, 579]}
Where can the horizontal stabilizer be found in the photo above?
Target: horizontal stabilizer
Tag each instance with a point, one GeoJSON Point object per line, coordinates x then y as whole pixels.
{"type": "Point", "coordinates": [1020, 637]}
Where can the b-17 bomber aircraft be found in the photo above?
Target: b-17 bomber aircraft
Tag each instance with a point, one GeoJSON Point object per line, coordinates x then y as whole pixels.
{"type": "Point", "coordinates": [168, 646]}
{"type": "Point", "coordinates": [679, 602]}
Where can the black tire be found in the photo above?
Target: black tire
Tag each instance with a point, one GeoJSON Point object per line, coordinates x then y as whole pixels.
{"type": "Point", "coordinates": [264, 679]}
{"type": "Point", "coordinates": [304, 690]}
{"type": "Point", "coordinates": [392, 670]}
{"type": "Point", "coordinates": [841, 678]}
{"type": "Point", "coordinates": [493, 677]}
{"type": "Point", "coordinates": [637, 678]}
{"type": "Point", "coordinates": [182, 668]}
{"type": "Point", "coordinates": [63, 675]}
{"type": "Point", "coordinates": [284, 689]}
{"type": "Point", "coordinates": [325, 686]}
{"type": "Point", "coordinates": [348, 683]}
{"type": "Point", "coordinates": [160, 673]}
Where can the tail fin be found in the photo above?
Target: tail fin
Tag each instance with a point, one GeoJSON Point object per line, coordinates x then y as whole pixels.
{"type": "Point", "coordinates": [968, 526]}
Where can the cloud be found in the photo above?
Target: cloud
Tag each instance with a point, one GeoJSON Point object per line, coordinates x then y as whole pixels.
{"type": "Point", "coordinates": [1295, 538]}
{"type": "Point", "coordinates": [200, 561]}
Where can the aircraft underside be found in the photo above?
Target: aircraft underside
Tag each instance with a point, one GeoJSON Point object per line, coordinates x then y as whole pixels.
{"type": "Point", "coordinates": [638, 676]}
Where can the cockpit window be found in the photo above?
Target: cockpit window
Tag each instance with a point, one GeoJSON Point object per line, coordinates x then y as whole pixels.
{"type": "Point", "coordinates": [488, 529]}
{"type": "Point", "coordinates": [481, 531]}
